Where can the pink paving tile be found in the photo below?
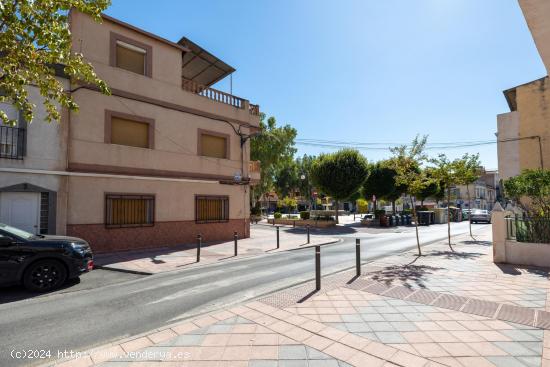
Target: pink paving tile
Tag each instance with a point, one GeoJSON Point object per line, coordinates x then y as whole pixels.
{"type": "Point", "coordinates": [362, 359]}
{"type": "Point", "coordinates": [475, 361]}
{"type": "Point", "coordinates": [238, 353]}
{"type": "Point", "coordinates": [78, 362]}
{"type": "Point", "coordinates": [407, 359]}
{"type": "Point", "coordinates": [354, 341]}
{"type": "Point", "coordinates": [162, 336]}
{"type": "Point", "coordinates": [136, 344]}
{"type": "Point", "coordinates": [106, 353]}
{"type": "Point", "coordinates": [340, 351]}
{"type": "Point", "coordinates": [216, 340]}
{"type": "Point", "coordinates": [184, 328]}
{"type": "Point", "coordinates": [297, 334]}
{"type": "Point", "coordinates": [430, 350]}
{"type": "Point", "coordinates": [318, 342]}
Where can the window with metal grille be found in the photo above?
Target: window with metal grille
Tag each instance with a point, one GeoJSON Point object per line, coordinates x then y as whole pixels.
{"type": "Point", "coordinates": [129, 210]}
{"type": "Point", "coordinates": [210, 209]}
{"type": "Point", "coordinates": [12, 139]}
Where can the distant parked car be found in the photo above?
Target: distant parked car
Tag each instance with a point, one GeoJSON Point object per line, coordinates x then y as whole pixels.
{"type": "Point", "coordinates": [480, 215]}
{"type": "Point", "coordinates": [41, 263]}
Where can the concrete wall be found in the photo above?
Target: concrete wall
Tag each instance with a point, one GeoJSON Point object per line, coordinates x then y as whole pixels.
{"type": "Point", "coordinates": [46, 150]}
{"type": "Point", "coordinates": [176, 117]}
{"type": "Point", "coordinates": [508, 151]}
{"type": "Point", "coordinates": [530, 254]}
{"type": "Point", "coordinates": [93, 40]}
{"type": "Point", "coordinates": [175, 138]}
{"type": "Point", "coordinates": [533, 106]}
{"type": "Point", "coordinates": [537, 15]}
{"type": "Point", "coordinates": [513, 252]}
{"type": "Point", "coordinates": [174, 212]}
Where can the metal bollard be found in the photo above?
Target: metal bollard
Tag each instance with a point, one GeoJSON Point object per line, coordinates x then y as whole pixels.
{"type": "Point", "coordinates": [354, 216]}
{"type": "Point", "coordinates": [235, 237]}
{"type": "Point", "coordinates": [294, 224]}
{"type": "Point", "coordinates": [318, 267]}
{"type": "Point", "coordinates": [307, 228]}
{"type": "Point", "coordinates": [199, 243]}
{"type": "Point", "coordinates": [358, 256]}
{"type": "Point", "coordinates": [277, 236]}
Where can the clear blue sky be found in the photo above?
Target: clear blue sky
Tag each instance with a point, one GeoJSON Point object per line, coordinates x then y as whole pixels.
{"type": "Point", "coordinates": [363, 70]}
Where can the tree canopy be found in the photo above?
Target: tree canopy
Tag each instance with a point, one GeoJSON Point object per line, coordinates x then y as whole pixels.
{"type": "Point", "coordinates": [380, 182]}
{"type": "Point", "coordinates": [34, 40]}
{"type": "Point", "coordinates": [531, 191]}
{"type": "Point", "coordinates": [339, 174]}
{"type": "Point", "coordinates": [273, 147]}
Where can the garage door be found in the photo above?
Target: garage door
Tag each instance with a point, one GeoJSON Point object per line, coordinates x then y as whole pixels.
{"type": "Point", "coordinates": [20, 210]}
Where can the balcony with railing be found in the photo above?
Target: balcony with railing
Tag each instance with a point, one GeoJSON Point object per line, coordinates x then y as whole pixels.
{"type": "Point", "coordinates": [219, 96]}
{"type": "Point", "coordinates": [12, 142]}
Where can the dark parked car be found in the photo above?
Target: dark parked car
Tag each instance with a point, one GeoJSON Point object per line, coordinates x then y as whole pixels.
{"type": "Point", "coordinates": [480, 215]}
{"type": "Point", "coordinates": [41, 263]}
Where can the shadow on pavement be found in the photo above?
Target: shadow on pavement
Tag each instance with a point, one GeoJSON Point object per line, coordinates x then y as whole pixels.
{"type": "Point", "coordinates": [405, 275]}
{"type": "Point", "coordinates": [511, 269]}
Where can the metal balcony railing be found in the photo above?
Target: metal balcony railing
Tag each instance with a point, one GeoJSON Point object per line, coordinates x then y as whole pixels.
{"type": "Point", "coordinates": [12, 142]}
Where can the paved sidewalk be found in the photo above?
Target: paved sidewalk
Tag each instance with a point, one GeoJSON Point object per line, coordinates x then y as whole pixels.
{"type": "Point", "coordinates": [442, 309]}
{"type": "Point", "coordinates": [262, 240]}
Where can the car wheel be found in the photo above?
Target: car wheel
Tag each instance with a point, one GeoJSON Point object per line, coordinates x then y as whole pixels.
{"type": "Point", "coordinates": [44, 276]}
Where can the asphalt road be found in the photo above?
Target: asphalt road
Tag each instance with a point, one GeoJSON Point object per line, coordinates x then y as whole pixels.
{"type": "Point", "coordinates": [114, 305]}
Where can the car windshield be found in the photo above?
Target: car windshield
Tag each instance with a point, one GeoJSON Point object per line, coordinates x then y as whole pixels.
{"type": "Point", "coordinates": [16, 231]}
{"type": "Point", "coordinates": [479, 211]}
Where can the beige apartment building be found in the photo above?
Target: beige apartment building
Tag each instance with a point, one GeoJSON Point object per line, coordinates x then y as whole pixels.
{"type": "Point", "coordinates": [524, 132]}
{"type": "Point", "coordinates": [161, 160]}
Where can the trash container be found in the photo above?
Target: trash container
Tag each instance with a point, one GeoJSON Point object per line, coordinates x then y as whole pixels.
{"type": "Point", "coordinates": [424, 218]}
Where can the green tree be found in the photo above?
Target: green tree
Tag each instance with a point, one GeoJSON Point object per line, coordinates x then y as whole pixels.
{"type": "Point", "coordinates": [339, 174]}
{"type": "Point", "coordinates": [531, 192]}
{"type": "Point", "coordinates": [34, 40]}
{"type": "Point", "coordinates": [407, 161]}
{"type": "Point", "coordinates": [469, 172]}
{"type": "Point", "coordinates": [431, 190]}
{"type": "Point", "coordinates": [304, 172]}
{"type": "Point", "coordinates": [449, 174]}
{"type": "Point", "coordinates": [273, 147]}
{"type": "Point", "coordinates": [380, 182]}
{"type": "Point", "coordinates": [288, 203]}
{"type": "Point", "coordinates": [286, 178]}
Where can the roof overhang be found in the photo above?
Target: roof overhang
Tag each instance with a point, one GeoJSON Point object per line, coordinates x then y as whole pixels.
{"type": "Point", "coordinates": [510, 95]}
{"type": "Point", "coordinates": [201, 66]}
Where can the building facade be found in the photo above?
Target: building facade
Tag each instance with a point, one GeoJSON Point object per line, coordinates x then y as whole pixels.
{"type": "Point", "coordinates": [161, 160]}
{"type": "Point", "coordinates": [33, 195]}
{"type": "Point", "coordinates": [483, 193]}
{"type": "Point", "coordinates": [524, 132]}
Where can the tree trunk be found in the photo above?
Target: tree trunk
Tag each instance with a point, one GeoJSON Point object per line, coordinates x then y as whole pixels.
{"type": "Point", "coordinates": [415, 218]}
{"type": "Point", "coordinates": [469, 210]}
{"type": "Point", "coordinates": [336, 201]}
{"type": "Point", "coordinates": [449, 217]}
{"type": "Point", "coordinates": [393, 206]}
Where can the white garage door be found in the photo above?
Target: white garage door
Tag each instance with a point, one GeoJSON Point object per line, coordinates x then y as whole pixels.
{"type": "Point", "coordinates": [20, 210]}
